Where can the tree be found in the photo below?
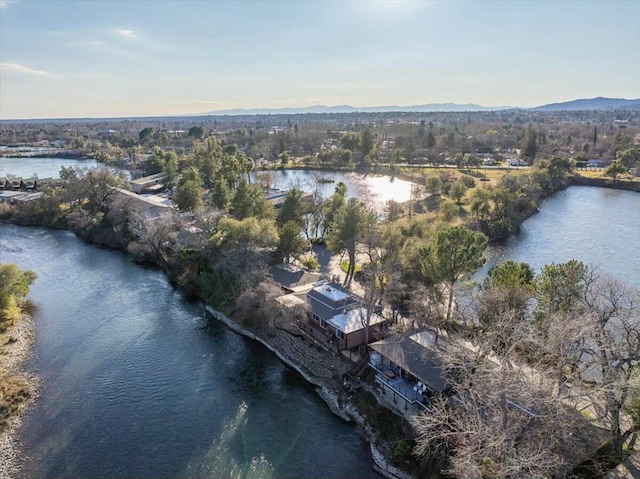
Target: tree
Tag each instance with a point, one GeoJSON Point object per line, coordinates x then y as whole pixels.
{"type": "Point", "coordinates": [611, 352]}
{"type": "Point", "coordinates": [145, 134]}
{"type": "Point", "coordinates": [334, 204]}
{"type": "Point", "coordinates": [530, 143]}
{"type": "Point", "coordinates": [457, 191]}
{"type": "Point", "coordinates": [503, 422]}
{"type": "Point", "coordinates": [188, 194]}
{"type": "Point", "coordinates": [615, 169]}
{"type": "Point", "coordinates": [292, 208]}
{"type": "Point", "coordinates": [366, 142]}
{"type": "Point", "coordinates": [246, 234]}
{"type": "Point", "coordinates": [431, 140]}
{"type": "Point", "coordinates": [507, 291]}
{"type": "Point", "coordinates": [249, 200]}
{"type": "Point", "coordinates": [156, 163]}
{"type": "Point", "coordinates": [171, 170]}
{"type": "Point", "coordinates": [290, 244]}
{"type": "Point", "coordinates": [433, 185]}
{"type": "Point", "coordinates": [14, 287]}
{"type": "Point", "coordinates": [196, 132]}
{"type": "Point", "coordinates": [346, 230]}
{"type": "Point", "coordinates": [629, 157]}
{"type": "Point", "coordinates": [510, 274]}
{"type": "Point", "coordinates": [453, 252]}
{"type": "Point", "coordinates": [561, 287]}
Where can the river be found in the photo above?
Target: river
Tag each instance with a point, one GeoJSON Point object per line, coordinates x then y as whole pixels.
{"type": "Point", "coordinates": [598, 226]}
{"type": "Point", "coordinates": [136, 382]}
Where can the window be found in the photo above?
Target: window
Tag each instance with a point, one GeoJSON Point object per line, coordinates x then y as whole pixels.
{"type": "Point", "coordinates": [323, 324]}
{"type": "Point", "coordinates": [339, 334]}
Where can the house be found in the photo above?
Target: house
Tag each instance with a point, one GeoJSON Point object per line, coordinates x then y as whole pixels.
{"type": "Point", "coordinates": [30, 184]}
{"type": "Point", "coordinates": [293, 279]}
{"type": "Point", "coordinates": [3, 183]}
{"type": "Point", "coordinates": [145, 206]}
{"type": "Point", "coordinates": [337, 320]}
{"type": "Point", "coordinates": [16, 183]}
{"type": "Point", "coordinates": [148, 183]}
{"type": "Point", "coordinates": [408, 370]}
{"type": "Point", "coordinates": [276, 196]}
{"type": "Point", "coordinates": [597, 163]}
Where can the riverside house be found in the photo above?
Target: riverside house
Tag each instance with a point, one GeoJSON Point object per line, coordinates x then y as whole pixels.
{"type": "Point", "coordinates": [408, 370]}
{"type": "Point", "coordinates": [337, 320]}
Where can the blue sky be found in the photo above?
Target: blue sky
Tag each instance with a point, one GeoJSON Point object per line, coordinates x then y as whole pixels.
{"type": "Point", "coordinates": [144, 58]}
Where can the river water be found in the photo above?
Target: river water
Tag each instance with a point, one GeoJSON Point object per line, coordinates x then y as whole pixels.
{"type": "Point", "coordinates": [136, 382]}
{"type": "Point", "coordinates": [598, 226]}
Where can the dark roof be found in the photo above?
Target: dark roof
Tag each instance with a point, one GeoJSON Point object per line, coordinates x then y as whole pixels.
{"type": "Point", "coordinates": [411, 356]}
{"type": "Point", "coordinates": [290, 277]}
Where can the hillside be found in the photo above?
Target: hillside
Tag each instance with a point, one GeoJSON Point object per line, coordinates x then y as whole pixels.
{"type": "Point", "coordinates": [599, 103]}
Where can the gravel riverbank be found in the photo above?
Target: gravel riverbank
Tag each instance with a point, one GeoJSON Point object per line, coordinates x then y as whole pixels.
{"type": "Point", "coordinates": [12, 363]}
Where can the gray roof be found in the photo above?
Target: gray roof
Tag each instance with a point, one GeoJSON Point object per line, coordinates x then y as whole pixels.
{"type": "Point", "coordinates": [324, 306]}
{"type": "Point", "coordinates": [415, 358]}
{"type": "Point", "coordinates": [290, 277]}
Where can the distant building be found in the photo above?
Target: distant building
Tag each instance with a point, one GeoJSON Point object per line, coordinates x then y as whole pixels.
{"type": "Point", "coordinates": [148, 183]}
{"type": "Point", "coordinates": [597, 163]}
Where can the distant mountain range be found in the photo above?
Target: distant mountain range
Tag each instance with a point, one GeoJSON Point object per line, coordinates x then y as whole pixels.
{"type": "Point", "coordinates": [599, 103]}
{"type": "Point", "coordinates": [430, 107]}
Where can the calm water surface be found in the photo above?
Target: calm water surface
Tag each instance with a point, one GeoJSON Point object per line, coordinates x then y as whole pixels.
{"type": "Point", "coordinates": [598, 226]}
{"type": "Point", "coordinates": [373, 190]}
{"type": "Point", "coordinates": [41, 167]}
{"type": "Point", "coordinates": [137, 383]}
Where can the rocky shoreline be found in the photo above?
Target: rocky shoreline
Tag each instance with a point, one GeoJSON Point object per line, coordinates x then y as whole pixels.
{"type": "Point", "coordinates": [14, 359]}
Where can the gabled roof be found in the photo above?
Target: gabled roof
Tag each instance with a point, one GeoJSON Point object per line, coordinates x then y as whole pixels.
{"type": "Point", "coordinates": [410, 352]}
{"type": "Point", "coordinates": [292, 278]}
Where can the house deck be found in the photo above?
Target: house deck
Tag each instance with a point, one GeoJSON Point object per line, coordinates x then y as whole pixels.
{"type": "Point", "coordinates": [409, 391]}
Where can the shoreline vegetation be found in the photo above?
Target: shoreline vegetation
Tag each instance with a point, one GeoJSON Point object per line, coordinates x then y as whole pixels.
{"type": "Point", "coordinates": [18, 386]}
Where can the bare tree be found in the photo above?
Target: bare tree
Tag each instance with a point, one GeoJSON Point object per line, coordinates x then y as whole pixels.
{"type": "Point", "coordinates": [504, 420]}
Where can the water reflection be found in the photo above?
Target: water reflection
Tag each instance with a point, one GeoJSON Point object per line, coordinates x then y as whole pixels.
{"type": "Point", "coordinates": [373, 190]}
{"type": "Point", "coordinates": [41, 167]}
{"type": "Point", "coordinates": [597, 226]}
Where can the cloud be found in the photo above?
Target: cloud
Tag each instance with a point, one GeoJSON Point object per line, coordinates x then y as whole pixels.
{"type": "Point", "coordinates": [6, 3]}
{"type": "Point", "coordinates": [21, 69]}
{"type": "Point", "coordinates": [126, 33]}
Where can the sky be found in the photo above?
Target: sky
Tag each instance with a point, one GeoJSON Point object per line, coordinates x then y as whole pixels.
{"type": "Point", "coordinates": [70, 59]}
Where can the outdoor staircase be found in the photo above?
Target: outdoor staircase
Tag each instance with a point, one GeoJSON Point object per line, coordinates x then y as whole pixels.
{"type": "Point", "coordinates": [357, 368]}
